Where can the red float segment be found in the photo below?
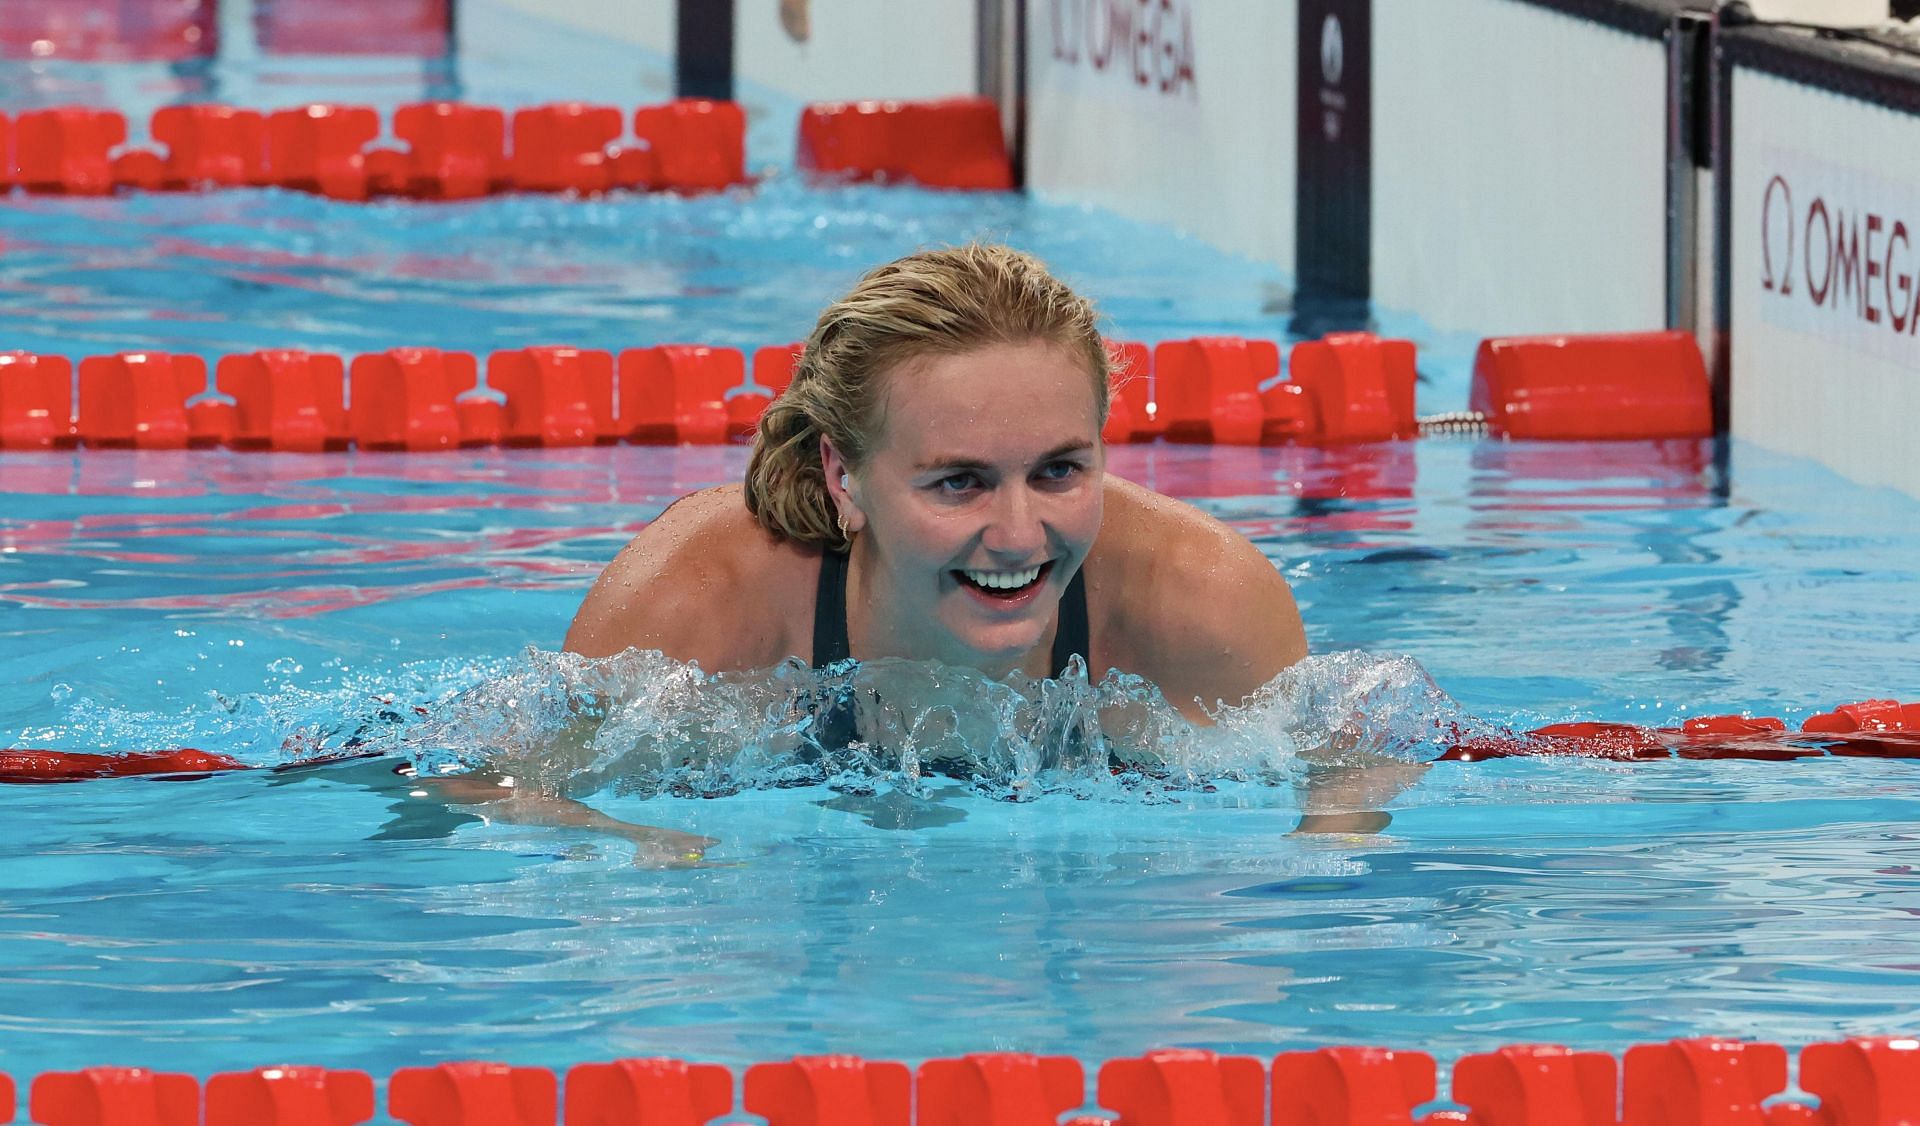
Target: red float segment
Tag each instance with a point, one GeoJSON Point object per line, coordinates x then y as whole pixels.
{"type": "Point", "coordinates": [556, 396]}
{"type": "Point", "coordinates": [1185, 1087]}
{"type": "Point", "coordinates": [289, 1096]}
{"type": "Point", "coordinates": [774, 365]}
{"type": "Point", "coordinates": [1626, 385]}
{"type": "Point", "coordinates": [408, 398]}
{"type": "Point", "coordinates": [140, 168]}
{"type": "Point", "coordinates": [483, 419]}
{"type": "Point", "coordinates": [647, 1092]}
{"type": "Point", "coordinates": [564, 147]}
{"type": "Point", "coordinates": [286, 400]}
{"type": "Point", "coordinates": [1351, 1086]}
{"type": "Point", "coordinates": [677, 392]}
{"type": "Point", "coordinates": [321, 148]}
{"type": "Point", "coordinates": [1130, 410]}
{"type": "Point", "coordinates": [6, 152]}
{"type": "Point", "coordinates": [24, 765]}
{"type": "Point", "coordinates": [355, 27]}
{"type": "Point", "coordinates": [212, 146]}
{"type": "Point", "coordinates": [829, 1091]}
{"type": "Point", "coordinates": [1864, 1082]}
{"type": "Point", "coordinates": [1867, 716]}
{"type": "Point", "coordinates": [456, 151]}
{"type": "Point", "coordinates": [138, 399]}
{"type": "Point", "coordinates": [957, 143]}
{"type": "Point", "coordinates": [386, 172]}
{"type": "Point", "coordinates": [473, 1094]}
{"type": "Point", "coordinates": [1732, 725]}
{"type": "Point", "coordinates": [67, 151]}
{"type": "Point", "coordinates": [947, 143]}
{"type": "Point", "coordinates": [210, 422]}
{"type": "Point", "coordinates": [697, 144]}
{"type": "Point", "coordinates": [36, 401]}
{"type": "Point", "coordinates": [1208, 389]}
{"type": "Point", "coordinates": [114, 1096]}
{"type": "Point", "coordinates": [1704, 1082]}
{"type": "Point", "coordinates": [743, 413]}
{"type": "Point", "coordinates": [998, 1089]}
{"type": "Point", "coordinates": [127, 30]}
{"type": "Point", "coordinates": [1538, 1085]}
{"type": "Point", "coordinates": [1358, 387]}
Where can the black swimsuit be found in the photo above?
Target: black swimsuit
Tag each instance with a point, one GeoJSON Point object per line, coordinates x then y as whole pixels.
{"type": "Point", "coordinates": [830, 645]}
{"type": "Point", "coordinates": [830, 617]}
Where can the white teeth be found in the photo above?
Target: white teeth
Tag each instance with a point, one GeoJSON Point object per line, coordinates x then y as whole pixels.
{"type": "Point", "coordinates": [1002, 580]}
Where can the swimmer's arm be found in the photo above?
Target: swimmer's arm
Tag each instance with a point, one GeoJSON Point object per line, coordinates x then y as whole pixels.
{"type": "Point", "coordinates": [1241, 627]}
{"type": "Point", "coordinates": [1347, 796]}
{"type": "Point", "coordinates": [1224, 624]}
{"type": "Point", "coordinates": [501, 800]}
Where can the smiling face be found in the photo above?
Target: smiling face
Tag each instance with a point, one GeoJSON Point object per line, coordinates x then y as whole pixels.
{"type": "Point", "coordinates": [978, 503]}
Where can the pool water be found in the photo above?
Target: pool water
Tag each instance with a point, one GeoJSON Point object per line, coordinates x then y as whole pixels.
{"type": "Point", "coordinates": [249, 603]}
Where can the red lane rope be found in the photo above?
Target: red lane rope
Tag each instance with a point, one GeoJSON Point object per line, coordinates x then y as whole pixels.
{"type": "Point", "coordinates": [1869, 729]}
{"type": "Point", "coordinates": [1342, 389]}
{"type": "Point", "coordinates": [1857, 1082]}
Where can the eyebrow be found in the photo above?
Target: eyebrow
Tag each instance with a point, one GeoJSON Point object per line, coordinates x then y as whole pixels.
{"type": "Point", "coordinates": [976, 465]}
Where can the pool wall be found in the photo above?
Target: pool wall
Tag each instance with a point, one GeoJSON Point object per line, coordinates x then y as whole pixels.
{"type": "Point", "coordinates": [1817, 284]}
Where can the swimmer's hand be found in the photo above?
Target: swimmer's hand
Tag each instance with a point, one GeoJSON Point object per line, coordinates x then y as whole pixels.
{"type": "Point", "coordinates": [1347, 797]}
{"type": "Point", "coordinates": [501, 799]}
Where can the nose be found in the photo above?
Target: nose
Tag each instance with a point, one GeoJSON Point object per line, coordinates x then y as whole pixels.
{"type": "Point", "coordinates": [1015, 530]}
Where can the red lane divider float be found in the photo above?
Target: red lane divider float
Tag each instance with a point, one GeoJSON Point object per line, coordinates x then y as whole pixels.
{"type": "Point", "coordinates": [1628, 385]}
{"type": "Point", "coordinates": [948, 143]}
{"type": "Point", "coordinates": [1342, 389]}
{"type": "Point", "coordinates": [1874, 729]}
{"type": "Point", "coordinates": [1700, 1082]}
{"type": "Point", "coordinates": [454, 150]}
{"type": "Point", "coordinates": [126, 30]}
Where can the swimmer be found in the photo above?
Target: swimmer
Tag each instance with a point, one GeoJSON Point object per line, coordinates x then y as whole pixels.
{"type": "Point", "coordinates": [932, 486]}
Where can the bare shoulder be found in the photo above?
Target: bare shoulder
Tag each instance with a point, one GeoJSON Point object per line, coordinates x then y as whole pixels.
{"type": "Point", "coordinates": [1186, 601]}
{"type": "Point", "coordinates": [703, 582]}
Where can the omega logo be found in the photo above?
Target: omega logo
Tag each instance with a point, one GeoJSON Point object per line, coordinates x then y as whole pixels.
{"type": "Point", "coordinates": [1847, 260]}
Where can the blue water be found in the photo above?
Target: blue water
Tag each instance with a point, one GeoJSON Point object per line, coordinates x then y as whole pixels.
{"type": "Point", "coordinates": [247, 604]}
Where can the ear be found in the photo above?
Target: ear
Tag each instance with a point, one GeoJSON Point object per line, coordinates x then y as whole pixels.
{"type": "Point", "coordinates": [841, 486]}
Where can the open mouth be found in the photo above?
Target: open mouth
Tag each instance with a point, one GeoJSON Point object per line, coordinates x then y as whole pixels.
{"type": "Point", "coordinates": [1005, 585]}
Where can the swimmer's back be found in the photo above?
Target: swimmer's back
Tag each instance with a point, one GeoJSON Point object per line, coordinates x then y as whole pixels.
{"type": "Point", "coordinates": [703, 582]}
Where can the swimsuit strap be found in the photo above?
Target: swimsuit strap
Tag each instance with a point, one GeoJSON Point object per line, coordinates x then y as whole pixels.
{"type": "Point", "coordinates": [1071, 636]}
{"type": "Point", "coordinates": [830, 645]}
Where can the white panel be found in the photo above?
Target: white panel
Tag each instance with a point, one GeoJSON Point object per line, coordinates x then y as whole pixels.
{"type": "Point", "coordinates": [860, 49]}
{"type": "Point", "coordinates": [641, 23]}
{"type": "Point", "coordinates": [1826, 251]}
{"type": "Point", "coordinates": [1179, 112]}
{"type": "Point", "coordinates": [1519, 169]}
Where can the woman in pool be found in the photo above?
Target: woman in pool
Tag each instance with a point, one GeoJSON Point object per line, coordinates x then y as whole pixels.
{"type": "Point", "coordinates": [932, 486]}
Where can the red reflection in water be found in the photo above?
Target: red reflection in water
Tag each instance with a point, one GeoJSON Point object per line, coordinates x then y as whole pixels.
{"type": "Point", "coordinates": [93, 30]}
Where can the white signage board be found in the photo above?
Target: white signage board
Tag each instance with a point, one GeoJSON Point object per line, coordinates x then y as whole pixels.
{"type": "Point", "coordinates": [1825, 278]}
{"type": "Point", "coordinates": [1175, 112]}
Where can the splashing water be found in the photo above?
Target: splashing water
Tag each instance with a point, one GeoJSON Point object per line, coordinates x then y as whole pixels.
{"type": "Point", "coordinates": [643, 724]}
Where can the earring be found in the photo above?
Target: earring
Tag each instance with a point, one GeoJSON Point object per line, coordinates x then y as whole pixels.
{"type": "Point", "coordinates": [841, 519]}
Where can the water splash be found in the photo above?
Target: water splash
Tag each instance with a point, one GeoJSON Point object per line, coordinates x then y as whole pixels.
{"type": "Point", "coordinates": [645, 725]}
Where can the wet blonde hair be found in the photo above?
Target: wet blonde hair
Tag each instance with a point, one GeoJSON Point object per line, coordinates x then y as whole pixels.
{"type": "Point", "coordinates": [934, 303]}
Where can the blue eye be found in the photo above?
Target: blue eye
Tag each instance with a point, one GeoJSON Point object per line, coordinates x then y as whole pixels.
{"type": "Point", "coordinates": [957, 483]}
{"type": "Point", "coordinates": [1059, 470]}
